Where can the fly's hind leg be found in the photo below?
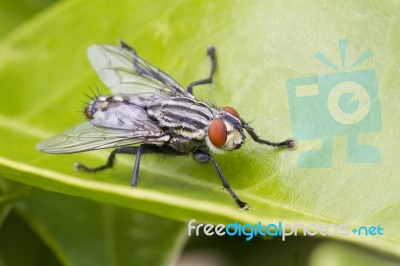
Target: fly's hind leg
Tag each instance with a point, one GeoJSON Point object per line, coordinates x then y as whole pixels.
{"type": "Point", "coordinates": [211, 53]}
{"type": "Point", "coordinates": [138, 151]}
{"type": "Point", "coordinates": [111, 160]}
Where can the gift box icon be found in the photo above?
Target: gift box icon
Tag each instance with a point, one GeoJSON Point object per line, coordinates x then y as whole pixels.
{"type": "Point", "coordinates": [337, 104]}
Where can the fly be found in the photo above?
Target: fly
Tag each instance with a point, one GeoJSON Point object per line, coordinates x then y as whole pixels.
{"type": "Point", "coordinates": [149, 112]}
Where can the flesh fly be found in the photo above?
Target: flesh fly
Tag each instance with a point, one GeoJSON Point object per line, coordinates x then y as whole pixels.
{"type": "Point", "coordinates": [149, 112]}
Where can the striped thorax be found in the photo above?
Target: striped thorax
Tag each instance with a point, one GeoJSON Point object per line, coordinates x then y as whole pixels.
{"type": "Point", "coordinates": [189, 119]}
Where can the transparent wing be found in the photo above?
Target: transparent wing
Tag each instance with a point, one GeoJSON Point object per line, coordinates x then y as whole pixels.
{"type": "Point", "coordinates": [87, 136]}
{"type": "Point", "coordinates": [124, 72]}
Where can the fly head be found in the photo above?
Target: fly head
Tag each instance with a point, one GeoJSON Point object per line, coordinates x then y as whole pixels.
{"type": "Point", "coordinates": [225, 131]}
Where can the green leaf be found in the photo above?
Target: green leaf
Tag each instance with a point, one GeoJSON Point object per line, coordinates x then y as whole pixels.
{"type": "Point", "coordinates": [83, 232]}
{"type": "Point", "coordinates": [44, 74]}
{"type": "Point", "coordinates": [13, 13]}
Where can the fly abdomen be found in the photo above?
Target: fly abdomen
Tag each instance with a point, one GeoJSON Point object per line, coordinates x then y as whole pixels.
{"type": "Point", "coordinates": [125, 113]}
{"type": "Point", "coordinates": [183, 116]}
{"type": "Point", "coordinates": [102, 104]}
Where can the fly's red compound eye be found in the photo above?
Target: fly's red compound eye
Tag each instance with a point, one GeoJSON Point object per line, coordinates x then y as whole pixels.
{"type": "Point", "coordinates": [232, 111]}
{"type": "Point", "coordinates": [217, 133]}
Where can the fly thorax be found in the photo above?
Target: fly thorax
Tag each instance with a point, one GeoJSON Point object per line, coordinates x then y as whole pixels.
{"type": "Point", "coordinates": [225, 131]}
{"type": "Point", "coordinates": [182, 116]}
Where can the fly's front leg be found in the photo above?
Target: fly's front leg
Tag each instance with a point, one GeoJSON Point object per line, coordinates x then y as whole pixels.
{"type": "Point", "coordinates": [203, 157]}
{"type": "Point", "coordinates": [290, 143]}
{"type": "Point", "coordinates": [211, 53]}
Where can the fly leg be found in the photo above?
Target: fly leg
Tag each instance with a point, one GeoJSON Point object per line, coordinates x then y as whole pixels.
{"type": "Point", "coordinates": [111, 160]}
{"type": "Point", "coordinates": [138, 151]}
{"type": "Point", "coordinates": [203, 157]}
{"type": "Point", "coordinates": [135, 175]}
{"type": "Point", "coordinates": [148, 149]}
{"type": "Point", "coordinates": [290, 143]}
{"type": "Point", "coordinates": [211, 53]}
